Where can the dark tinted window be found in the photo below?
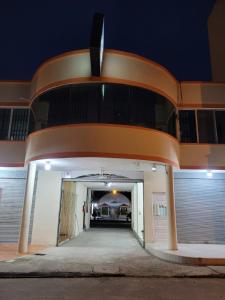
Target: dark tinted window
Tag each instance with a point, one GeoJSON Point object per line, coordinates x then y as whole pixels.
{"type": "Point", "coordinates": [206, 126]}
{"type": "Point", "coordinates": [187, 126]}
{"type": "Point", "coordinates": [220, 124]}
{"type": "Point", "coordinates": [4, 123]}
{"type": "Point", "coordinates": [19, 127]}
{"type": "Point", "coordinates": [104, 103]}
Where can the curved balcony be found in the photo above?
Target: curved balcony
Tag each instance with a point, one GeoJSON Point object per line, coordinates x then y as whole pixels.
{"type": "Point", "coordinates": [101, 140]}
{"type": "Point", "coordinates": [118, 67]}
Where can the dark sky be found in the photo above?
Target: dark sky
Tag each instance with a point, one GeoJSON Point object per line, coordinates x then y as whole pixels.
{"type": "Point", "coordinates": [170, 32]}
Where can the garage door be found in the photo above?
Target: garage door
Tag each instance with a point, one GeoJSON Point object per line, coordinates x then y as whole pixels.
{"type": "Point", "coordinates": [12, 188]}
{"type": "Point", "coordinates": [200, 207]}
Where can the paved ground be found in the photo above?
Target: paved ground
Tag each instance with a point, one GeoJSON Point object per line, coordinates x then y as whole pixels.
{"type": "Point", "coordinates": [102, 252]}
{"type": "Point", "coordinates": [10, 251]}
{"type": "Point", "coordinates": [112, 288]}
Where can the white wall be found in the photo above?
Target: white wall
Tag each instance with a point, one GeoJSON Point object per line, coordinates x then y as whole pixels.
{"type": "Point", "coordinates": [154, 182]}
{"type": "Point", "coordinates": [46, 212]}
{"type": "Point", "coordinates": [137, 210]}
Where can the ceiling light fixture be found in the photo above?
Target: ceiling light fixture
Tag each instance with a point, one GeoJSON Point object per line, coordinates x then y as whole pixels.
{"type": "Point", "coordinates": [209, 174]}
{"type": "Point", "coordinates": [47, 166]}
{"type": "Point", "coordinates": [154, 168]}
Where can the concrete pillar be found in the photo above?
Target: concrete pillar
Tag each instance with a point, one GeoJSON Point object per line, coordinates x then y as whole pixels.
{"type": "Point", "coordinates": [148, 211]}
{"type": "Point", "coordinates": [47, 208]}
{"type": "Point", "coordinates": [26, 213]}
{"type": "Point", "coordinates": [171, 211]}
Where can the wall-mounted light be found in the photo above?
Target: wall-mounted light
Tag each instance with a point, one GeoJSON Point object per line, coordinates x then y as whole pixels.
{"type": "Point", "coordinates": [47, 166]}
{"type": "Point", "coordinates": [154, 168]}
{"type": "Point", "coordinates": [114, 192]}
{"type": "Point", "coordinates": [209, 174]}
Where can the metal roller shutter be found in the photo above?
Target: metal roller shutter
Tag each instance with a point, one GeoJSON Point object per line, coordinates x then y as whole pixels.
{"type": "Point", "coordinates": [200, 207]}
{"type": "Point", "coordinates": [12, 188]}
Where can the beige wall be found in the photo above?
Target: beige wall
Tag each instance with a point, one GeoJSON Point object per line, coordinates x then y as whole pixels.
{"type": "Point", "coordinates": [12, 153]}
{"type": "Point", "coordinates": [47, 204]}
{"type": "Point", "coordinates": [202, 94]}
{"type": "Point", "coordinates": [14, 92]}
{"type": "Point", "coordinates": [202, 156]}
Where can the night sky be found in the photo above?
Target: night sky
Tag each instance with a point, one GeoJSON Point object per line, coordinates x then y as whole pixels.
{"type": "Point", "coordinates": [170, 32]}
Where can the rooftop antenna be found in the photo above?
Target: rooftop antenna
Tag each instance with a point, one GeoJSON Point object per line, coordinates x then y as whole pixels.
{"type": "Point", "coordinates": [97, 44]}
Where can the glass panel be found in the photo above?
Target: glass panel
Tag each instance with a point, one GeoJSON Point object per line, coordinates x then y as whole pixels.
{"type": "Point", "coordinates": [206, 126]}
{"type": "Point", "coordinates": [187, 126]}
{"type": "Point", "coordinates": [220, 124]}
{"type": "Point", "coordinates": [19, 124]}
{"type": "Point", "coordinates": [104, 103]}
{"type": "Point", "coordinates": [4, 123]}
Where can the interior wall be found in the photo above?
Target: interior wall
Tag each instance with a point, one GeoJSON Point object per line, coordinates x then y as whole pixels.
{"type": "Point", "coordinates": [140, 216]}
{"type": "Point", "coordinates": [81, 197]}
{"type": "Point", "coordinates": [134, 200]}
{"type": "Point", "coordinates": [67, 211]}
{"type": "Point", "coordinates": [88, 209]}
{"type": "Point", "coordinates": [46, 211]}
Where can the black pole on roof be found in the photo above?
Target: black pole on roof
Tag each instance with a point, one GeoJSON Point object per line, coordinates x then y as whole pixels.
{"type": "Point", "coordinates": [97, 44]}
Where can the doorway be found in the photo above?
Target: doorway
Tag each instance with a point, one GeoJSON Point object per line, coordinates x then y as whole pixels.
{"type": "Point", "coordinates": [111, 208]}
{"type": "Point", "coordinates": [86, 204]}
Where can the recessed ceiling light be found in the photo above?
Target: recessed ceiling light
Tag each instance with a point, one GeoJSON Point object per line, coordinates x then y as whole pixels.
{"type": "Point", "coordinates": [47, 166]}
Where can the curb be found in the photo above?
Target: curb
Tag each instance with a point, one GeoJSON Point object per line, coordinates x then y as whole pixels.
{"type": "Point", "coordinates": [4, 275]}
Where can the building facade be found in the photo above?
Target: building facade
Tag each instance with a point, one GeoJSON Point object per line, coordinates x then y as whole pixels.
{"type": "Point", "coordinates": [162, 139]}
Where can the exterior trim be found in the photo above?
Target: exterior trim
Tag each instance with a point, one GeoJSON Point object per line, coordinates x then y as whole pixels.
{"type": "Point", "coordinates": [205, 167]}
{"type": "Point", "coordinates": [202, 144]}
{"type": "Point", "coordinates": [196, 105]}
{"type": "Point", "coordinates": [100, 125]}
{"type": "Point", "coordinates": [101, 154]}
{"type": "Point", "coordinates": [15, 104]}
{"type": "Point", "coordinates": [203, 83]}
{"type": "Point", "coordinates": [15, 81]}
{"type": "Point", "coordinates": [12, 165]}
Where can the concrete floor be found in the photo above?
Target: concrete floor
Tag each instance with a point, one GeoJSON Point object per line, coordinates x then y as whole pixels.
{"type": "Point", "coordinates": [192, 254]}
{"type": "Point", "coordinates": [101, 252]}
{"type": "Point", "coordinates": [112, 289]}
